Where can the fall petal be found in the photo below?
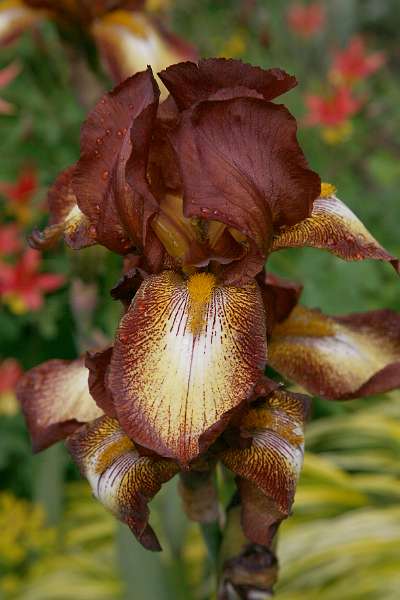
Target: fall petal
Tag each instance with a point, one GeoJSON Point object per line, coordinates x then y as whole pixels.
{"type": "Point", "coordinates": [189, 82]}
{"type": "Point", "coordinates": [55, 400]}
{"type": "Point", "coordinates": [66, 219]}
{"type": "Point", "coordinates": [130, 41]}
{"type": "Point", "coordinates": [117, 214]}
{"type": "Point", "coordinates": [338, 357]}
{"type": "Point", "coordinates": [333, 226]}
{"type": "Point", "coordinates": [187, 354]}
{"type": "Point", "coordinates": [272, 462]}
{"type": "Point", "coordinates": [120, 478]}
{"type": "Point", "coordinates": [15, 18]}
{"type": "Point", "coordinates": [241, 165]}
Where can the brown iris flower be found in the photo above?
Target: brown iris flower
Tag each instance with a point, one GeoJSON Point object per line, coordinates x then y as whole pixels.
{"type": "Point", "coordinates": [127, 37]}
{"type": "Point", "coordinates": [195, 193]}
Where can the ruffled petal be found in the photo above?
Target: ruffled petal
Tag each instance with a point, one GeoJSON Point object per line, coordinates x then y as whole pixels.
{"type": "Point", "coordinates": [333, 226]}
{"type": "Point", "coordinates": [55, 400]}
{"type": "Point", "coordinates": [268, 469]}
{"type": "Point", "coordinates": [15, 18]}
{"type": "Point", "coordinates": [189, 82]}
{"type": "Point", "coordinates": [338, 357]}
{"type": "Point", "coordinates": [66, 218]}
{"type": "Point", "coordinates": [122, 118]}
{"type": "Point", "coordinates": [130, 41]}
{"type": "Point", "coordinates": [187, 354]}
{"type": "Point", "coordinates": [121, 479]}
{"type": "Point", "coordinates": [241, 165]}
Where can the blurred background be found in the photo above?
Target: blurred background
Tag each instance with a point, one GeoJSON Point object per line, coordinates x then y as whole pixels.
{"type": "Point", "coordinates": [343, 540]}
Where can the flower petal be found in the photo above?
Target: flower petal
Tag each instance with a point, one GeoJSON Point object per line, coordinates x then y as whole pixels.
{"type": "Point", "coordinates": [117, 214]}
{"type": "Point", "coordinates": [271, 463]}
{"type": "Point", "coordinates": [190, 83]}
{"type": "Point", "coordinates": [15, 18]}
{"type": "Point", "coordinates": [187, 354]}
{"type": "Point", "coordinates": [55, 400]}
{"type": "Point", "coordinates": [338, 357]}
{"type": "Point", "coordinates": [333, 226]}
{"type": "Point", "coordinates": [66, 219]}
{"type": "Point", "coordinates": [241, 165]}
{"type": "Point", "coordinates": [120, 478]}
{"type": "Point", "coordinates": [98, 365]}
{"type": "Point", "coordinates": [130, 41]}
{"type": "Point", "coordinates": [280, 297]}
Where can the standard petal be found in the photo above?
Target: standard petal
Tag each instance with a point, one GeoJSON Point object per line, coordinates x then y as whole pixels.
{"type": "Point", "coordinates": [122, 479]}
{"type": "Point", "coordinates": [55, 400]}
{"type": "Point", "coordinates": [130, 41]}
{"type": "Point", "coordinates": [66, 219]}
{"type": "Point", "coordinates": [189, 82]}
{"type": "Point", "coordinates": [187, 354]}
{"type": "Point", "coordinates": [338, 357]}
{"type": "Point", "coordinates": [333, 226]}
{"type": "Point", "coordinates": [241, 165]}
{"type": "Point", "coordinates": [118, 215]}
{"type": "Point", "coordinates": [15, 18]}
{"type": "Point", "coordinates": [271, 465]}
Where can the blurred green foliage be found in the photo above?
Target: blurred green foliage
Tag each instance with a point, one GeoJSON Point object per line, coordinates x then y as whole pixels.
{"type": "Point", "coordinates": [344, 539]}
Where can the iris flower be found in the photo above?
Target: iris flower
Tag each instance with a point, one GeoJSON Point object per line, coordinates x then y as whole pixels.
{"type": "Point", "coordinates": [196, 193]}
{"type": "Point", "coordinates": [127, 38]}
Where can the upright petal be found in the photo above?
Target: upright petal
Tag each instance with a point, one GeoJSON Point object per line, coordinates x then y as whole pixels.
{"type": "Point", "coordinates": [117, 214]}
{"type": "Point", "coordinates": [241, 165]}
{"type": "Point", "coordinates": [187, 354]}
{"type": "Point", "coordinates": [15, 18]}
{"type": "Point", "coordinates": [55, 400]}
{"type": "Point", "coordinates": [338, 357]}
{"type": "Point", "coordinates": [333, 226]}
{"type": "Point", "coordinates": [66, 218]}
{"type": "Point", "coordinates": [130, 41]}
{"type": "Point", "coordinates": [190, 83]}
{"type": "Point", "coordinates": [122, 479]}
{"type": "Point", "coordinates": [269, 468]}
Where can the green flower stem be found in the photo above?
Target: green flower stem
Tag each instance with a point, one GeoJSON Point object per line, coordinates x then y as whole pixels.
{"type": "Point", "coordinates": [142, 572]}
{"type": "Point", "coordinates": [49, 482]}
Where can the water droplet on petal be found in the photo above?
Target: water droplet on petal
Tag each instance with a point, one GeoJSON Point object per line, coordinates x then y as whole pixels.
{"type": "Point", "coordinates": [105, 175]}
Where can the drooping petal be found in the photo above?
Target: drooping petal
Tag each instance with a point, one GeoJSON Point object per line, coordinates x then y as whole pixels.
{"type": "Point", "coordinates": [241, 165]}
{"type": "Point", "coordinates": [189, 82]}
{"type": "Point", "coordinates": [55, 400]}
{"type": "Point", "coordinates": [122, 479]}
{"type": "Point", "coordinates": [187, 354]}
{"type": "Point", "coordinates": [333, 226]}
{"type": "Point", "coordinates": [272, 462]}
{"type": "Point", "coordinates": [338, 357]}
{"type": "Point", "coordinates": [130, 41]}
{"type": "Point", "coordinates": [15, 18]}
{"type": "Point", "coordinates": [66, 218]}
{"type": "Point", "coordinates": [117, 214]}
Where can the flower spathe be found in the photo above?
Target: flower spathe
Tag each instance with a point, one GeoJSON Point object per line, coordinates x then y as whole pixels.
{"type": "Point", "coordinates": [195, 193]}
